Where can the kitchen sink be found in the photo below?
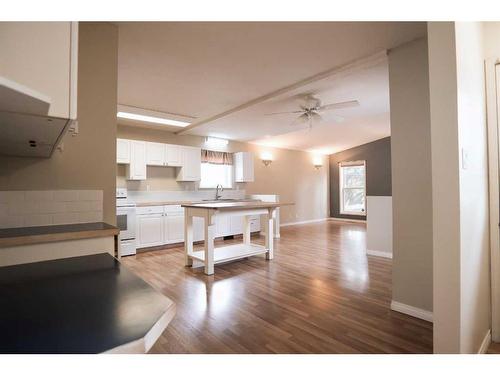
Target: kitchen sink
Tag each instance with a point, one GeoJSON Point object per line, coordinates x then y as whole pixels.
{"type": "Point", "coordinates": [222, 200]}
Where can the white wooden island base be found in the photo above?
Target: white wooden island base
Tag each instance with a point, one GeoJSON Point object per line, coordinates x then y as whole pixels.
{"type": "Point", "coordinates": [210, 255]}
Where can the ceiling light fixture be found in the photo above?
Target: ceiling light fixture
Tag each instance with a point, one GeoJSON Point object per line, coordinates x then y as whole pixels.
{"type": "Point", "coordinates": [156, 120]}
{"type": "Point", "coordinates": [216, 142]}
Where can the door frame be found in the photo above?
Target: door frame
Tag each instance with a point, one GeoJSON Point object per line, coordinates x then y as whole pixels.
{"type": "Point", "coordinates": [492, 115]}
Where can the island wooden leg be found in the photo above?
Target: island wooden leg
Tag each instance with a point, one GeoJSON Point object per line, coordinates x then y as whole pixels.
{"type": "Point", "coordinates": [209, 245]}
{"type": "Point", "coordinates": [269, 235]}
{"type": "Point", "coordinates": [188, 238]}
{"type": "Point", "coordinates": [246, 230]}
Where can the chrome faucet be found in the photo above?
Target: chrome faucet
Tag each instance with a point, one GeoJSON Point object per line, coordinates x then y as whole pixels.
{"type": "Point", "coordinates": [217, 194]}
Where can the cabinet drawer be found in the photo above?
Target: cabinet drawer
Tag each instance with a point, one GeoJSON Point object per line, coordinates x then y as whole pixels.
{"type": "Point", "coordinates": [174, 209]}
{"type": "Point", "coordinates": [149, 210]}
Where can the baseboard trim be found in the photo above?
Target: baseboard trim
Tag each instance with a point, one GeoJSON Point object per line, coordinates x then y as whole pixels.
{"type": "Point", "coordinates": [377, 253]}
{"type": "Point", "coordinates": [303, 222]}
{"type": "Point", "coordinates": [412, 311]}
{"type": "Point", "coordinates": [486, 343]}
{"type": "Point", "coordinates": [346, 220]}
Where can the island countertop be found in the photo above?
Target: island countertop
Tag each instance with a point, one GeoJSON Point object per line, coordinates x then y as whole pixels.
{"type": "Point", "coordinates": [53, 233]}
{"type": "Point", "coordinates": [227, 206]}
{"type": "Point", "coordinates": [88, 304]}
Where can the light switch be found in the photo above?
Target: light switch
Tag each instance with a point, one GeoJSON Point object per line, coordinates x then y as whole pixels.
{"type": "Point", "coordinates": [465, 159]}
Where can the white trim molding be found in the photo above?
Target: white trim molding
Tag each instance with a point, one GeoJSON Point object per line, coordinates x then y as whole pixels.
{"type": "Point", "coordinates": [346, 220]}
{"type": "Point", "coordinates": [493, 174]}
{"type": "Point", "coordinates": [485, 344]}
{"type": "Point", "coordinates": [303, 222]}
{"type": "Point", "coordinates": [411, 310]}
{"type": "Point", "coordinates": [376, 253]}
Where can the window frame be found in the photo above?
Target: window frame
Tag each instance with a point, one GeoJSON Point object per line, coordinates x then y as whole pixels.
{"type": "Point", "coordinates": [231, 166]}
{"type": "Point", "coordinates": [342, 164]}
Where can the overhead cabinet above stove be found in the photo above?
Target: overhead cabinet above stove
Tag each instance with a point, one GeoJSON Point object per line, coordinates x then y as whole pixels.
{"type": "Point", "coordinates": [38, 86]}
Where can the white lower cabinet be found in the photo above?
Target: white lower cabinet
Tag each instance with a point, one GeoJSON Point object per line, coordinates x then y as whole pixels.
{"type": "Point", "coordinates": [150, 230]}
{"type": "Point", "coordinates": [223, 226]}
{"type": "Point", "coordinates": [198, 229]}
{"type": "Point", "coordinates": [236, 224]}
{"type": "Point", "coordinates": [174, 227]}
{"type": "Point", "coordinates": [161, 225]}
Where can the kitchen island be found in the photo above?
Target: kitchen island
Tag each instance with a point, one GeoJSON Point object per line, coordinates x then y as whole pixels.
{"type": "Point", "coordinates": [210, 255]}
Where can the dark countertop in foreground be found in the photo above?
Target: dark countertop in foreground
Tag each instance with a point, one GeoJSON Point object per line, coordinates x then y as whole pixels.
{"type": "Point", "coordinates": [88, 304]}
{"type": "Point", "coordinates": [52, 233]}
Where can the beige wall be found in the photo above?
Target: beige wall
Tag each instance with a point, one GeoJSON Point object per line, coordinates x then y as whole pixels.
{"type": "Point", "coordinates": [446, 193]}
{"type": "Point", "coordinates": [411, 175]}
{"type": "Point", "coordinates": [88, 160]}
{"type": "Point", "coordinates": [460, 190]}
{"type": "Point", "coordinates": [475, 307]}
{"type": "Point", "coordinates": [291, 174]}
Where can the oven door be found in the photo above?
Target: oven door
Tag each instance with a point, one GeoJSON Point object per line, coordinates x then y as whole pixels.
{"type": "Point", "coordinates": [125, 220]}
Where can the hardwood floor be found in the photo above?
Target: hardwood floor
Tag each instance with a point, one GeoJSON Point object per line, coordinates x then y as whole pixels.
{"type": "Point", "coordinates": [494, 348]}
{"type": "Point", "coordinates": [320, 294]}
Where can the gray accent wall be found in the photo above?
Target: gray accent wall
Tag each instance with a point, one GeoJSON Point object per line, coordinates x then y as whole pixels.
{"type": "Point", "coordinates": [377, 156]}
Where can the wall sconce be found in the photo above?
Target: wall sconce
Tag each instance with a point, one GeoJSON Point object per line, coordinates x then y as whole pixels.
{"type": "Point", "coordinates": [318, 162]}
{"type": "Point", "coordinates": [267, 158]}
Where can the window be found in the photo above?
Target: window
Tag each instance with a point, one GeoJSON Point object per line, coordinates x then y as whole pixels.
{"type": "Point", "coordinates": [352, 188]}
{"type": "Point", "coordinates": [214, 174]}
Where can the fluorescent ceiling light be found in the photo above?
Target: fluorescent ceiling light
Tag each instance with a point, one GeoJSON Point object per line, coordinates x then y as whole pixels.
{"type": "Point", "coordinates": [216, 141]}
{"type": "Point", "coordinates": [156, 120]}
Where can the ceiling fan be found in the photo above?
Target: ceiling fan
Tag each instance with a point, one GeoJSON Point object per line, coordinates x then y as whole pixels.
{"type": "Point", "coordinates": [311, 109]}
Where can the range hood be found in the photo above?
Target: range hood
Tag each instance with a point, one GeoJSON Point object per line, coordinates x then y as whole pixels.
{"type": "Point", "coordinates": [26, 129]}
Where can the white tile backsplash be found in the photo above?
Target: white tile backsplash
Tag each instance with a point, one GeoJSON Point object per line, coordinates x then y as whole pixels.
{"type": "Point", "coordinates": [49, 207]}
{"type": "Point", "coordinates": [65, 195]}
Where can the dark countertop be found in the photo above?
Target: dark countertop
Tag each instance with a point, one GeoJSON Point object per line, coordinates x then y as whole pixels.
{"type": "Point", "coordinates": [52, 233]}
{"type": "Point", "coordinates": [88, 304]}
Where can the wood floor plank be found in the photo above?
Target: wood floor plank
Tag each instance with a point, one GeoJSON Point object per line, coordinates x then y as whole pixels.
{"type": "Point", "coordinates": [320, 294]}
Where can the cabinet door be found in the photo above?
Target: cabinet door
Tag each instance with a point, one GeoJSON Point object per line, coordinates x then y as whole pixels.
{"type": "Point", "coordinates": [150, 230]}
{"type": "Point", "coordinates": [174, 228]}
{"type": "Point", "coordinates": [223, 226]}
{"type": "Point", "coordinates": [137, 170]}
{"type": "Point", "coordinates": [173, 157]}
{"type": "Point", "coordinates": [191, 164]}
{"type": "Point", "coordinates": [43, 56]}
{"type": "Point", "coordinates": [123, 151]}
{"type": "Point", "coordinates": [236, 225]}
{"type": "Point", "coordinates": [248, 167]}
{"type": "Point", "coordinates": [155, 153]}
{"type": "Point", "coordinates": [243, 167]}
{"type": "Point", "coordinates": [198, 229]}
{"type": "Point", "coordinates": [255, 224]}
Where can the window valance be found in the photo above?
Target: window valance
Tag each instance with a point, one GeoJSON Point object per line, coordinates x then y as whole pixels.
{"type": "Point", "coordinates": [216, 157]}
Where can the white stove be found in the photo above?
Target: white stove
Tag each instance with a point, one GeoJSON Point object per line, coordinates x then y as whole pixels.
{"type": "Point", "coordinates": [125, 219]}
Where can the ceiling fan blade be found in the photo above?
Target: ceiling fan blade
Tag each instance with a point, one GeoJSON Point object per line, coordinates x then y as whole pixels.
{"type": "Point", "coordinates": [348, 104]}
{"type": "Point", "coordinates": [281, 113]}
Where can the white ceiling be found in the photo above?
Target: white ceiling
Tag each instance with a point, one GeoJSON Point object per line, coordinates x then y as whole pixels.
{"type": "Point", "coordinates": [205, 69]}
{"type": "Point", "coordinates": [367, 122]}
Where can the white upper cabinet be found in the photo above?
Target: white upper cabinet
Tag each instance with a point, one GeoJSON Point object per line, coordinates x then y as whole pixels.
{"type": "Point", "coordinates": [243, 167]}
{"type": "Point", "coordinates": [191, 164]}
{"type": "Point", "coordinates": [43, 58]}
{"type": "Point", "coordinates": [163, 154]}
{"type": "Point", "coordinates": [173, 155]}
{"type": "Point", "coordinates": [155, 153]}
{"type": "Point", "coordinates": [136, 170]}
{"type": "Point", "coordinates": [122, 151]}
{"type": "Point", "coordinates": [139, 154]}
